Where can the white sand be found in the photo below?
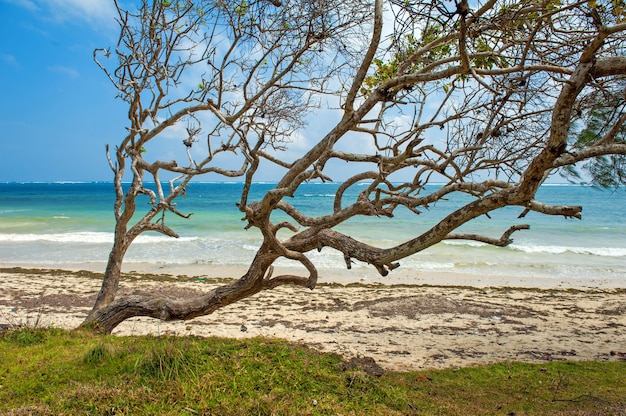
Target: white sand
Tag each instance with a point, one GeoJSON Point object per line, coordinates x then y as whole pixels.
{"type": "Point", "coordinates": [364, 275]}
{"type": "Point", "coordinates": [401, 327]}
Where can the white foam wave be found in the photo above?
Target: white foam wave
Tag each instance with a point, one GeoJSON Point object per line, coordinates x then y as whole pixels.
{"type": "Point", "coordinates": [149, 239]}
{"type": "Point", "coordinates": [78, 237]}
{"type": "Point", "coordinates": [429, 265]}
{"type": "Point", "coordinates": [12, 211]}
{"type": "Point", "coordinates": [69, 182]}
{"type": "Point", "coordinates": [84, 237]}
{"type": "Point", "coordinates": [546, 249]}
{"type": "Point", "coordinates": [594, 251]}
{"type": "Point", "coordinates": [464, 243]}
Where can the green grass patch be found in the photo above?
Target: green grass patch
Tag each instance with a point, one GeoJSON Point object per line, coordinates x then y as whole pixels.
{"type": "Point", "coordinates": [55, 372]}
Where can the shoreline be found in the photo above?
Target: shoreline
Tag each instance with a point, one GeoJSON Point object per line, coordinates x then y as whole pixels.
{"type": "Point", "coordinates": [403, 327]}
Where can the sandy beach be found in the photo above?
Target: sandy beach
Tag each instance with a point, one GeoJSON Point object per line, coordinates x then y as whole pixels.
{"type": "Point", "coordinates": [443, 322]}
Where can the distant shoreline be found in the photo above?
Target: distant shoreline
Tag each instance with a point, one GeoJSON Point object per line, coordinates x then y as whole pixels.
{"type": "Point", "coordinates": [69, 182]}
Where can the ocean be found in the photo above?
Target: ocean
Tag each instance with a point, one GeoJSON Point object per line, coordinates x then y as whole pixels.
{"type": "Point", "coordinates": [52, 224]}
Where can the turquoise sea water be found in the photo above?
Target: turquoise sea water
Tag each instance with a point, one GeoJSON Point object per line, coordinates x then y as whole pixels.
{"type": "Point", "coordinates": [50, 224]}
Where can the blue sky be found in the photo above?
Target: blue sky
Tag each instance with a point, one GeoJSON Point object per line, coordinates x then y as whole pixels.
{"type": "Point", "coordinates": [57, 109]}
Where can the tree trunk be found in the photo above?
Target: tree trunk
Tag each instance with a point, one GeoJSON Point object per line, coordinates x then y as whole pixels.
{"type": "Point", "coordinates": [110, 280]}
{"type": "Point", "coordinates": [106, 316]}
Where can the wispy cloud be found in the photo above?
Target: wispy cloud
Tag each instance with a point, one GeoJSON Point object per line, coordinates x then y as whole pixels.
{"type": "Point", "coordinates": [28, 4]}
{"type": "Point", "coordinates": [9, 60]}
{"type": "Point", "coordinates": [65, 70]}
{"type": "Point", "coordinates": [90, 11]}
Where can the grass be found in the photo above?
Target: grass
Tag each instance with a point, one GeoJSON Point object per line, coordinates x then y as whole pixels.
{"type": "Point", "coordinates": [56, 372]}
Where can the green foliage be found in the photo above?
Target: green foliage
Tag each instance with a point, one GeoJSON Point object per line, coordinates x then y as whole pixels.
{"type": "Point", "coordinates": [482, 46]}
{"type": "Point", "coordinates": [242, 9]}
{"type": "Point", "coordinates": [603, 171]}
{"type": "Point", "coordinates": [553, 5]}
{"type": "Point", "coordinates": [406, 50]}
{"type": "Point", "coordinates": [411, 54]}
{"type": "Point", "coordinates": [608, 171]}
{"type": "Point", "coordinates": [98, 354]}
{"type": "Point", "coordinates": [384, 72]}
{"type": "Point", "coordinates": [616, 8]}
{"type": "Point", "coordinates": [168, 361]}
{"type": "Point", "coordinates": [175, 376]}
{"type": "Point", "coordinates": [26, 336]}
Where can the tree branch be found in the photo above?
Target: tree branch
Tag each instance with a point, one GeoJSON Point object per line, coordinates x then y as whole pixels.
{"type": "Point", "coordinates": [503, 241]}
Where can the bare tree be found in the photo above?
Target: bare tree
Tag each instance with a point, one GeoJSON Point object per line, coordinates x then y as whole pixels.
{"type": "Point", "coordinates": [491, 98]}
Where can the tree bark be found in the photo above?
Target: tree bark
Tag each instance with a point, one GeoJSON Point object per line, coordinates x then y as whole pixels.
{"type": "Point", "coordinates": [110, 281]}
{"type": "Point", "coordinates": [258, 278]}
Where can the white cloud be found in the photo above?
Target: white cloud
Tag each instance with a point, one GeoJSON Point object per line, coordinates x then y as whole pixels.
{"type": "Point", "coordinates": [90, 11]}
{"type": "Point", "coordinates": [28, 4]}
{"type": "Point", "coordinates": [9, 60]}
{"type": "Point", "coordinates": [65, 70]}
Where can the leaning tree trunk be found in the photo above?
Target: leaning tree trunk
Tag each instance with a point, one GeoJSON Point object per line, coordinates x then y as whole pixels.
{"type": "Point", "coordinates": [111, 278]}
{"type": "Point", "coordinates": [109, 315]}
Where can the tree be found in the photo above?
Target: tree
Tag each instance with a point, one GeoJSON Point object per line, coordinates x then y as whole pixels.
{"type": "Point", "coordinates": [603, 124]}
{"type": "Point", "coordinates": [488, 97]}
